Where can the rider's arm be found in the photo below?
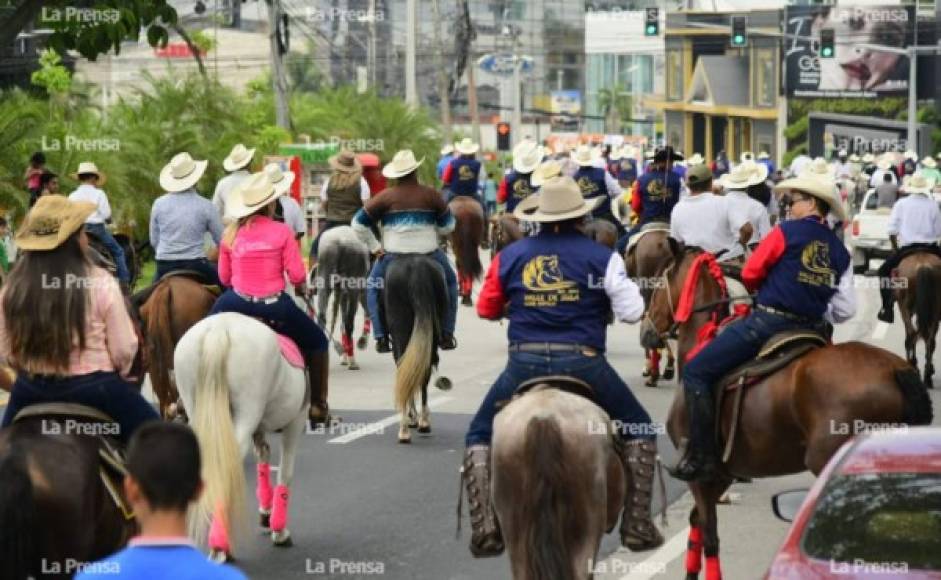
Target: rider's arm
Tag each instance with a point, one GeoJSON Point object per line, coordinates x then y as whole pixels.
{"type": "Point", "coordinates": [119, 330]}
{"type": "Point", "coordinates": [501, 191]}
{"type": "Point", "coordinates": [293, 263]}
{"type": "Point", "coordinates": [491, 301]}
{"type": "Point", "coordinates": [626, 301]}
{"type": "Point", "coordinates": [214, 225]}
{"type": "Point", "coordinates": [104, 208]}
{"type": "Point", "coordinates": [765, 256]}
{"type": "Point", "coordinates": [612, 185]}
{"type": "Point", "coordinates": [445, 222]}
{"type": "Point", "coordinates": [225, 264]}
{"type": "Point", "coordinates": [155, 227]}
{"type": "Point", "coordinates": [362, 224]}
{"type": "Point", "coordinates": [637, 200]}
{"type": "Point", "coordinates": [446, 176]}
{"type": "Point", "coordinates": [895, 224]}
{"type": "Point", "coordinates": [364, 192]}
{"type": "Point", "coordinates": [842, 305]}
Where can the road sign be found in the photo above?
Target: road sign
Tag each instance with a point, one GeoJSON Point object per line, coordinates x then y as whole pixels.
{"type": "Point", "coordinates": [501, 64]}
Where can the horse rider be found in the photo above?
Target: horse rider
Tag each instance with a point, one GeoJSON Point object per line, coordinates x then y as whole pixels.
{"type": "Point", "coordinates": [180, 220]}
{"type": "Point", "coordinates": [626, 168]}
{"type": "Point", "coordinates": [914, 226]}
{"type": "Point", "coordinates": [883, 167]}
{"type": "Point", "coordinates": [341, 196]}
{"type": "Point", "coordinates": [462, 174]}
{"type": "Point", "coordinates": [90, 179]}
{"type": "Point", "coordinates": [557, 288]}
{"type": "Point", "coordinates": [743, 207]}
{"type": "Point", "coordinates": [704, 220]}
{"type": "Point", "coordinates": [804, 279]}
{"type": "Point", "coordinates": [929, 168]}
{"type": "Point", "coordinates": [655, 194]}
{"type": "Point", "coordinates": [517, 184]}
{"type": "Point", "coordinates": [595, 181]}
{"type": "Point", "coordinates": [255, 256]}
{"type": "Point", "coordinates": [765, 160]}
{"type": "Point", "coordinates": [287, 211]}
{"type": "Point", "coordinates": [412, 217]}
{"type": "Point", "coordinates": [909, 164]}
{"type": "Point", "coordinates": [54, 284]}
{"type": "Point", "coordinates": [237, 164]}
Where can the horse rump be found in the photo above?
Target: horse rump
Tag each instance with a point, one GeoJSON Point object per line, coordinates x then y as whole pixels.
{"type": "Point", "coordinates": [467, 234]}
{"type": "Point", "coordinates": [17, 516]}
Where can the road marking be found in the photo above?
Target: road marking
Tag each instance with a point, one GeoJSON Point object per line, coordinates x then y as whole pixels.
{"type": "Point", "coordinates": [878, 333]}
{"type": "Point", "coordinates": [381, 424]}
{"type": "Point", "coordinates": [657, 563]}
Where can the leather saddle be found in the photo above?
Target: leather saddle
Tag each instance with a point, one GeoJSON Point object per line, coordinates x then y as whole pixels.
{"type": "Point", "coordinates": [558, 382]}
{"type": "Point", "coordinates": [96, 425]}
{"type": "Point", "coordinates": [141, 297]}
{"type": "Point", "coordinates": [657, 226]}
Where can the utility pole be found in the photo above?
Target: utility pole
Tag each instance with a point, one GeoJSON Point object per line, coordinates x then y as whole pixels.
{"type": "Point", "coordinates": [411, 90]}
{"type": "Point", "coordinates": [471, 73]}
{"type": "Point", "coordinates": [443, 98]}
{"type": "Point", "coordinates": [278, 80]}
{"type": "Point", "coordinates": [913, 97]}
{"type": "Point", "coordinates": [371, 58]}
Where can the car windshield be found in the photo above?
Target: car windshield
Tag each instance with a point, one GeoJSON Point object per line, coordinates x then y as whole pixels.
{"type": "Point", "coordinates": [888, 518]}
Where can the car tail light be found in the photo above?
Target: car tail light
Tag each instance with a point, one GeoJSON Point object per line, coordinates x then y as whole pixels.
{"type": "Point", "coordinates": [855, 227]}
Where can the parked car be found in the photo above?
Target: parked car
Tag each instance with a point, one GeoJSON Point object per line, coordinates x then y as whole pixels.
{"type": "Point", "coordinates": [869, 233]}
{"type": "Point", "coordinates": [874, 512]}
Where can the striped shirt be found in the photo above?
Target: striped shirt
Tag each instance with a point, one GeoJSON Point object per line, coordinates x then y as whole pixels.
{"type": "Point", "coordinates": [179, 223]}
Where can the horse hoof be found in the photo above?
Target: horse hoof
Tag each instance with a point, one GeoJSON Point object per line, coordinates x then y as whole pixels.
{"type": "Point", "coordinates": [221, 557]}
{"type": "Point", "coordinates": [467, 301]}
{"type": "Point", "coordinates": [668, 374]}
{"type": "Point", "coordinates": [282, 539]}
{"type": "Point", "coordinates": [443, 383]}
{"type": "Point", "coordinates": [652, 382]}
{"type": "Point", "coordinates": [354, 366]}
{"type": "Point", "coordinates": [265, 520]}
{"type": "Point", "coordinates": [646, 373]}
{"type": "Point", "coordinates": [362, 343]}
{"type": "Point", "coordinates": [424, 428]}
{"type": "Point", "coordinates": [405, 439]}
{"type": "Point", "coordinates": [343, 363]}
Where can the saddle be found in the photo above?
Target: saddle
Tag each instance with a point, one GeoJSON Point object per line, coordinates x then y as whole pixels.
{"type": "Point", "coordinates": [111, 468]}
{"type": "Point", "coordinates": [138, 299]}
{"type": "Point", "coordinates": [558, 382]}
{"type": "Point", "coordinates": [658, 226]}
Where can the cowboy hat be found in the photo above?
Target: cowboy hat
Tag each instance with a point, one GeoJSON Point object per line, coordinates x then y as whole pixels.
{"type": "Point", "coordinates": [929, 162]}
{"type": "Point", "coordinates": [816, 186]}
{"type": "Point", "coordinates": [649, 154]}
{"type": "Point", "coordinates": [559, 199]}
{"type": "Point", "coordinates": [628, 152]}
{"type": "Point", "coordinates": [854, 158]}
{"type": "Point", "coordinates": [841, 153]}
{"type": "Point", "coordinates": [345, 162]}
{"type": "Point", "coordinates": [86, 167]}
{"type": "Point", "coordinates": [181, 173]}
{"type": "Point", "coordinates": [869, 158]}
{"type": "Point", "coordinates": [744, 175]}
{"type": "Point", "coordinates": [281, 180]}
{"type": "Point", "coordinates": [526, 159]}
{"type": "Point", "coordinates": [919, 184]}
{"type": "Point", "coordinates": [884, 164]}
{"type": "Point", "coordinates": [763, 155]}
{"type": "Point", "coordinates": [239, 157]}
{"type": "Point", "coordinates": [582, 156]}
{"type": "Point", "coordinates": [447, 149]}
{"type": "Point", "coordinates": [747, 156]}
{"type": "Point", "coordinates": [696, 159]}
{"type": "Point", "coordinates": [546, 171]}
{"type": "Point", "coordinates": [819, 168]}
{"type": "Point", "coordinates": [911, 155]}
{"type": "Point", "coordinates": [402, 164]}
{"type": "Point", "coordinates": [252, 194]}
{"type": "Point", "coordinates": [667, 154]}
{"type": "Point", "coordinates": [51, 221]}
{"type": "Point", "coordinates": [616, 154]}
{"type": "Point", "coordinates": [466, 146]}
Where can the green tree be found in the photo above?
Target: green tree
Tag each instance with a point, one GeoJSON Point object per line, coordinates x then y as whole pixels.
{"type": "Point", "coordinates": [615, 105]}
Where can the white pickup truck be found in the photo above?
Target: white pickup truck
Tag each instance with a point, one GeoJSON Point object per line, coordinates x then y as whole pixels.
{"type": "Point", "coordinates": [869, 233]}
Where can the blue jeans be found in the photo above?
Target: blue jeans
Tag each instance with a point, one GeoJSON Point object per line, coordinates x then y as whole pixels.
{"type": "Point", "coordinates": [490, 208]}
{"type": "Point", "coordinates": [283, 316]}
{"type": "Point", "coordinates": [105, 391]}
{"type": "Point", "coordinates": [374, 288]}
{"type": "Point", "coordinates": [117, 252]}
{"type": "Point", "coordinates": [611, 392]}
{"type": "Point", "coordinates": [201, 265]}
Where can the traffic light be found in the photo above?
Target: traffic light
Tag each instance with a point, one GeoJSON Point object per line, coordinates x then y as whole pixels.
{"type": "Point", "coordinates": [739, 31]}
{"type": "Point", "coordinates": [652, 22]}
{"type": "Point", "coordinates": [503, 136]}
{"type": "Point", "coordinates": [827, 49]}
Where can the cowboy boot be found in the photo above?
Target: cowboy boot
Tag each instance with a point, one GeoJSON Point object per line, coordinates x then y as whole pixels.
{"type": "Point", "coordinates": [638, 532]}
{"type": "Point", "coordinates": [486, 539]}
{"type": "Point", "coordinates": [317, 365]}
{"type": "Point", "coordinates": [698, 457]}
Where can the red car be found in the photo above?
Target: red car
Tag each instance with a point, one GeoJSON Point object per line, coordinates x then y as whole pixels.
{"type": "Point", "coordinates": [874, 512]}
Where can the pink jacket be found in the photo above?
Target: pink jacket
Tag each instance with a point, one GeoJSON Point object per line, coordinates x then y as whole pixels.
{"type": "Point", "coordinates": [256, 262]}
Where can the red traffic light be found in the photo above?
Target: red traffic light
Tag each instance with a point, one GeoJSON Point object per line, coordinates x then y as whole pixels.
{"type": "Point", "coordinates": [503, 128]}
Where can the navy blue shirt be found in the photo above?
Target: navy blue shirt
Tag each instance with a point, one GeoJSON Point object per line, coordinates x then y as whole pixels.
{"type": "Point", "coordinates": [518, 188]}
{"type": "Point", "coordinates": [592, 183]}
{"type": "Point", "coordinates": [465, 174]}
{"type": "Point", "coordinates": [659, 193]}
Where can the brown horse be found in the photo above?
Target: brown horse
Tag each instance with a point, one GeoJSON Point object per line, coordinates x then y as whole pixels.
{"type": "Point", "coordinates": [175, 304]}
{"type": "Point", "coordinates": [558, 484]}
{"type": "Point", "coordinates": [465, 241]}
{"type": "Point", "coordinates": [919, 296]}
{"type": "Point", "coordinates": [644, 262]}
{"type": "Point", "coordinates": [791, 421]}
{"type": "Point", "coordinates": [504, 230]}
{"type": "Point", "coordinates": [601, 231]}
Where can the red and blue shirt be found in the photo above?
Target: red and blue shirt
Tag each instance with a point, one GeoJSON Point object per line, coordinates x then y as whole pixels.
{"type": "Point", "coordinates": [659, 193]}
{"type": "Point", "coordinates": [514, 188]}
{"type": "Point", "coordinates": [463, 174]}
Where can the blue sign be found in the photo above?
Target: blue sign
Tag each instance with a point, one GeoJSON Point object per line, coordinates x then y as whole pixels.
{"type": "Point", "coordinates": [502, 64]}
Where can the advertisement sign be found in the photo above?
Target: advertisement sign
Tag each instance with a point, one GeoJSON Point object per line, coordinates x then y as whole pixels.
{"type": "Point", "coordinates": [854, 70]}
{"type": "Point", "coordinates": [502, 64]}
{"type": "Point", "coordinates": [566, 107]}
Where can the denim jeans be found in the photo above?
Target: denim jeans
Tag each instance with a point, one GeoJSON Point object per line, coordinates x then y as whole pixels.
{"type": "Point", "coordinates": [201, 265]}
{"type": "Point", "coordinates": [283, 316]}
{"type": "Point", "coordinates": [105, 391]}
{"type": "Point", "coordinates": [374, 291]}
{"type": "Point", "coordinates": [117, 252]}
{"type": "Point", "coordinates": [611, 392]}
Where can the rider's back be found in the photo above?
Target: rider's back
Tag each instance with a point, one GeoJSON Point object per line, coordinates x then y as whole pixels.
{"type": "Point", "coordinates": [143, 562]}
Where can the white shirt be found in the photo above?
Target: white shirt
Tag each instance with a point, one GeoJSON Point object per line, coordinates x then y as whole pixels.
{"type": "Point", "coordinates": [915, 219]}
{"type": "Point", "coordinates": [842, 305]}
{"type": "Point", "coordinates": [744, 209]}
{"type": "Point", "coordinates": [799, 164]}
{"type": "Point", "coordinates": [626, 301]}
{"type": "Point", "coordinates": [704, 220]}
{"type": "Point", "coordinates": [877, 177]}
{"type": "Point", "coordinates": [841, 170]}
{"type": "Point", "coordinates": [363, 190]}
{"type": "Point", "coordinates": [92, 194]}
{"type": "Point", "coordinates": [293, 215]}
{"type": "Point", "coordinates": [224, 189]}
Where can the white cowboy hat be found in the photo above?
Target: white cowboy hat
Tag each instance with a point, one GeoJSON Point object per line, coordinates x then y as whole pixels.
{"type": "Point", "coordinates": [748, 156]}
{"type": "Point", "coordinates": [252, 194]}
{"type": "Point", "coordinates": [919, 184]}
{"type": "Point", "coordinates": [546, 171]}
{"type": "Point", "coordinates": [696, 159]}
{"type": "Point", "coordinates": [402, 164]}
{"type": "Point", "coordinates": [281, 180]}
{"type": "Point", "coordinates": [526, 158]}
{"type": "Point", "coordinates": [854, 158]}
{"type": "Point", "coordinates": [583, 156]}
{"type": "Point", "coordinates": [628, 152]}
{"type": "Point", "coordinates": [763, 155]}
{"type": "Point", "coordinates": [238, 158]}
{"type": "Point", "coordinates": [929, 162]}
{"type": "Point", "coordinates": [869, 158]}
{"type": "Point", "coordinates": [911, 155]}
{"type": "Point", "coordinates": [559, 199]}
{"type": "Point", "coordinates": [884, 164]}
{"type": "Point", "coordinates": [447, 150]}
{"type": "Point", "coordinates": [744, 175]}
{"type": "Point", "coordinates": [181, 173]}
{"type": "Point", "coordinates": [841, 153]}
{"type": "Point", "coordinates": [819, 168]}
{"type": "Point", "coordinates": [616, 154]}
{"type": "Point", "coordinates": [816, 186]}
{"type": "Point", "coordinates": [649, 154]}
{"type": "Point", "coordinates": [86, 167]}
{"type": "Point", "coordinates": [466, 146]}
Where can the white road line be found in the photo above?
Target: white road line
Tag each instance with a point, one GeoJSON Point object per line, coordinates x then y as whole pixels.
{"type": "Point", "coordinates": [381, 424]}
{"type": "Point", "coordinates": [878, 333]}
{"type": "Point", "coordinates": [657, 563]}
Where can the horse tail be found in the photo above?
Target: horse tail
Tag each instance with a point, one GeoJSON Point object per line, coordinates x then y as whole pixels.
{"type": "Point", "coordinates": [413, 367]}
{"type": "Point", "coordinates": [212, 422]}
{"type": "Point", "coordinates": [467, 233]}
{"type": "Point", "coordinates": [917, 406]}
{"type": "Point", "coordinates": [548, 515]}
{"type": "Point", "coordinates": [17, 515]}
{"type": "Point", "coordinates": [927, 304]}
{"type": "Point", "coordinates": [159, 342]}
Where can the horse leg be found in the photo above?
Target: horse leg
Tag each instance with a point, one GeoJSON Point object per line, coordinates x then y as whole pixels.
{"type": "Point", "coordinates": [707, 496]}
{"type": "Point", "coordinates": [220, 545]}
{"type": "Point", "coordinates": [349, 328]}
{"type": "Point", "coordinates": [290, 437]}
{"type": "Point", "coordinates": [929, 355]}
{"type": "Point", "coordinates": [670, 371]}
{"type": "Point", "coordinates": [424, 421]}
{"type": "Point", "coordinates": [367, 324]}
{"type": "Point", "coordinates": [263, 491]}
{"type": "Point", "coordinates": [653, 367]}
{"type": "Point", "coordinates": [694, 546]}
{"type": "Point", "coordinates": [911, 335]}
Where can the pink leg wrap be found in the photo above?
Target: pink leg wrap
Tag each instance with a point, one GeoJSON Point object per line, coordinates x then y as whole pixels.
{"type": "Point", "coordinates": [263, 489]}
{"type": "Point", "coordinates": [279, 513]}
{"type": "Point", "coordinates": [218, 535]}
{"type": "Point", "coordinates": [347, 345]}
{"type": "Point", "coordinates": [694, 551]}
{"type": "Point", "coordinates": [713, 570]}
{"type": "Point", "coordinates": [367, 326]}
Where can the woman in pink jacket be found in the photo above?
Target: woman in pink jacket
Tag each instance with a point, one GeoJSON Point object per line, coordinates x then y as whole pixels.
{"type": "Point", "coordinates": [255, 254]}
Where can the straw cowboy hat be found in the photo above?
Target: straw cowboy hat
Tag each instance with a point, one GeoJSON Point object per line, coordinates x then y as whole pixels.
{"type": "Point", "coordinates": [281, 180]}
{"type": "Point", "coordinates": [628, 152]}
{"type": "Point", "coordinates": [526, 159]}
{"type": "Point", "coordinates": [817, 186]}
{"type": "Point", "coordinates": [911, 155]}
{"type": "Point", "coordinates": [854, 158]}
{"type": "Point", "coordinates": [51, 221]}
{"type": "Point", "coordinates": [181, 173]}
{"type": "Point", "coordinates": [559, 199]}
{"type": "Point", "coordinates": [763, 155]}
{"type": "Point", "coordinates": [239, 157]}
{"type": "Point", "coordinates": [86, 167]}
{"type": "Point", "coordinates": [744, 175]}
{"type": "Point", "coordinates": [466, 146]}
{"type": "Point", "coordinates": [696, 159]}
{"type": "Point", "coordinates": [253, 194]}
{"type": "Point", "coordinates": [546, 171]}
{"type": "Point", "coordinates": [345, 162]}
{"type": "Point", "coordinates": [747, 156]}
{"type": "Point", "coordinates": [582, 156]}
{"type": "Point", "coordinates": [447, 150]}
{"type": "Point", "coordinates": [929, 162]}
{"type": "Point", "coordinates": [917, 184]}
{"type": "Point", "coordinates": [869, 158]}
{"type": "Point", "coordinates": [819, 168]}
{"type": "Point", "coordinates": [402, 164]}
{"type": "Point", "coordinates": [884, 164]}
{"type": "Point", "coordinates": [616, 154]}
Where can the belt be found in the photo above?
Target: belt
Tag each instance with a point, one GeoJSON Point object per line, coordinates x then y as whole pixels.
{"type": "Point", "coordinates": [784, 314]}
{"type": "Point", "coordinates": [553, 347]}
{"type": "Point", "coordinates": [259, 299]}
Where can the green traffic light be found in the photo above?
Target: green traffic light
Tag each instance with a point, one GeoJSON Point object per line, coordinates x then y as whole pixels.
{"type": "Point", "coordinates": [826, 52]}
{"type": "Point", "coordinates": [738, 40]}
{"type": "Point", "coordinates": [651, 30]}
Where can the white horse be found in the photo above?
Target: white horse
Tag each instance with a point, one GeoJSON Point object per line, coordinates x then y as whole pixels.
{"type": "Point", "coordinates": [236, 386]}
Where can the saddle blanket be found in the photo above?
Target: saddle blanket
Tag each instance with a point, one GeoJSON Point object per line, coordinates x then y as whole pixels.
{"type": "Point", "coordinates": [290, 352]}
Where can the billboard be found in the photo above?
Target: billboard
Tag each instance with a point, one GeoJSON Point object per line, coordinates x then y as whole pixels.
{"type": "Point", "coordinates": [566, 108]}
{"type": "Point", "coordinates": [855, 70]}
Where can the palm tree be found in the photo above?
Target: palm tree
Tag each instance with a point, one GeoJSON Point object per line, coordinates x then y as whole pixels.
{"type": "Point", "coordinates": [615, 104]}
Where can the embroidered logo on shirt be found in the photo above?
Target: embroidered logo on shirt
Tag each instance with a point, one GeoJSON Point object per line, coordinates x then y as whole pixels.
{"type": "Point", "coordinates": [588, 186]}
{"type": "Point", "coordinates": [465, 173]}
{"type": "Point", "coordinates": [521, 189]}
{"type": "Point", "coordinates": [657, 191]}
{"type": "Point", "coordinates": [815, 257]}
{"type": "Point", "coordinates": [543, 277]}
